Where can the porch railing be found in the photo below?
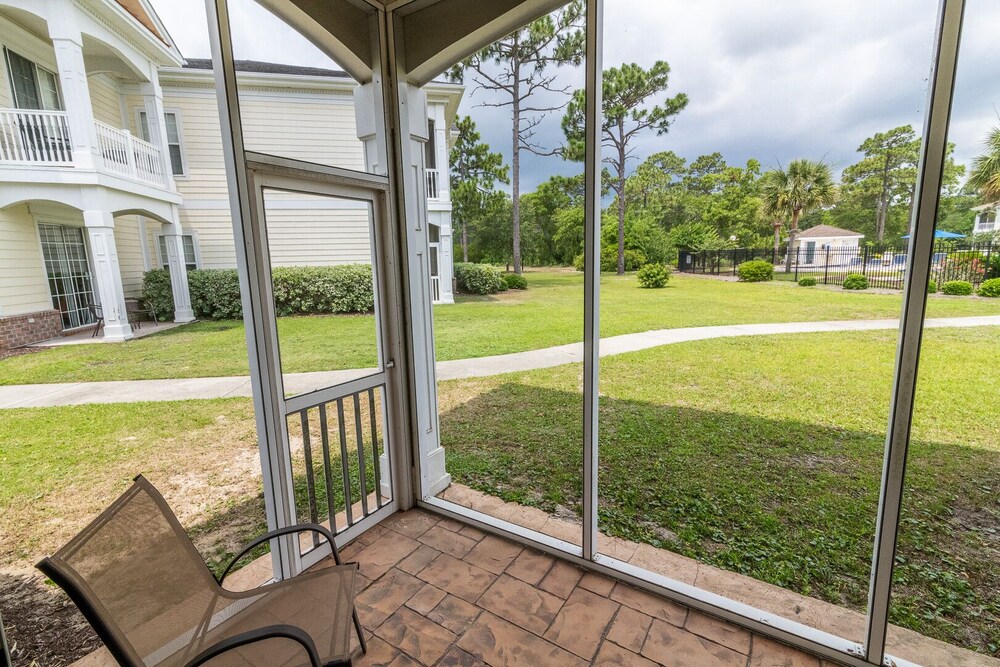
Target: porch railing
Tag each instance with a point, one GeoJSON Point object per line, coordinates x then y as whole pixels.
{"type": "Point", "coordinates": [35, 137]}
{"type": "Point", "coordinates": [339, 474]}
{"type": "Point", "coordinates": [433, 189]}
{"type": "Point", "coordinates": [436, 288]}
{"type": "Point", "coordinates": [129, 156]}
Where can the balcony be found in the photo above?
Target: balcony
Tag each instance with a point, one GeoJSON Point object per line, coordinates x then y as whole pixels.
{"type": "Point", "coordinates": [129, 156]}
{"type": "Point", "coordinates": [42, 138]}
{"type": "Point", "coordinates": [35, 137]}
{"type": "Point", "coordinates": [433, 184]}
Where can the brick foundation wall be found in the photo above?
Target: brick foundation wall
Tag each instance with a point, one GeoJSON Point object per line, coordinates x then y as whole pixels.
{"type": "Point", "coordinates": [19, 330]}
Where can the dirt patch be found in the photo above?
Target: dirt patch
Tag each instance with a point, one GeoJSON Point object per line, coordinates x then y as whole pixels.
{"type": "Point", "coordinates": [43, 627]}
{"type": "Point", "coordinates": [18, 352]}
{"type": "Point", "coordinates": [209, 475]}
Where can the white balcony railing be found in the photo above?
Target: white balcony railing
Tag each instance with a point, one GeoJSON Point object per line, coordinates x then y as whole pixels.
{"type": "Point", "coordinates": [433, 191]}
{"type": "Point", "coordinates": [435, 288]}
{"type": "Point", "coordinates": [35, 137]}
{"type": "Point", "coordinates": [129, 156]}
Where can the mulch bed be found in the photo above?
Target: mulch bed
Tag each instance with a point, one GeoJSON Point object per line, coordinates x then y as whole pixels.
{"type": "Point", "coordinates": [18, 351]}
{"type": "Point", "coordinates": [44, 628]}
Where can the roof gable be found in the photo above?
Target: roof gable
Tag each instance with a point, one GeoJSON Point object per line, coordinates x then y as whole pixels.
{"type": "Point", "coordinates": [828, 231]}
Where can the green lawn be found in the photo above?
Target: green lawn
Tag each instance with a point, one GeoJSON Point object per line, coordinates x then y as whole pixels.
{"type": "Point", "coordinates": [763, 456]}
{"type": "Point", "coordinates": [549, 313]}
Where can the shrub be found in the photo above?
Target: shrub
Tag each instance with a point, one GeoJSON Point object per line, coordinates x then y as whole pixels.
{"type": "Point", "coordinates": [578, 262]}
{"type": "Point", "coordinates": [634, 259]}
{"type": "Point", "coordinates": [756, 271]}
{"type": "Point", "coordinates": [479, 278]}
{"type": "Point", "coordinates": [856, 281]}
{"type": "Point", "coordinates": [957, 288]}
{"type": "Point", "coordinates": [302, 290]}
{"type": "Point", "coordinates": [993, 269]}
{"type": "Point", "coordinates": [990, 288]}
{"type": "Point", "coordinates": [808, 281]}
{"type": "Point", "coordinates": [515, 281]}
{"type": "Point", "coordinates": [157, 293]}
{"type": "Point", "coordinates": [215, 293]}
{"type": "Point", "coordinates": [654, 276]}
{"type": "Point", "coordinates": [932, 287]}
{"type": "Point", "coordinates": [298, 290]}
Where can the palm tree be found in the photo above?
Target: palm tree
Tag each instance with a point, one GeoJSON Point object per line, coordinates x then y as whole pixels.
{"type": "Point", "coordinates": [985, 175]}
{"type": "Point", "coordinates": [802, 187]}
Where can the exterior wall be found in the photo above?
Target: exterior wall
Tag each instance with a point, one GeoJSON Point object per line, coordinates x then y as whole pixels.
{"type": "Point", "coordinates": [302, 230]}
{"type": "Point", "coordinates": [130, 259]}
{"type": "Point", "coordinates": [23, 287]}
{"type": "Point", "coordinates": [105, 99]}
{"type": "Point", "coordinates": [20, 330]}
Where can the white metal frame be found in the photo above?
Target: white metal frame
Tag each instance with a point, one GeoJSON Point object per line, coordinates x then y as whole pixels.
{"type": "Point", "coordinates": [265, 371]}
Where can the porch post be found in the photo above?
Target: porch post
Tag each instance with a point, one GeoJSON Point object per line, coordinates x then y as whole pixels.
{"type": "Point", "coordinates": [446, 266]}
{"type": "Point", "coordinates": [177, 264]}
{"type": "Point", "coordinates": [68, 44]}
{"type": "Point", "coordinates": [152, 100]}
{"type": "Point", "coordinates": [101, 234]}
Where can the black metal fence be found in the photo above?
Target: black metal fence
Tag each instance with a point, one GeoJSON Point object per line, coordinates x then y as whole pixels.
{"type": "Point", "coordinates": [885, 265]}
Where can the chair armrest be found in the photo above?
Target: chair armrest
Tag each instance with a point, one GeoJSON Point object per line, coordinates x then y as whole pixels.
{"type": "Point", "coordinates": [287, 530]}
{"type": "Point", "coordinates": [260, 634]}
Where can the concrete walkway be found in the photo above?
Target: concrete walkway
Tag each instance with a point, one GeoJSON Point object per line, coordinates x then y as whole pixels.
{"type": "Point", "coordinates": [78, 393]}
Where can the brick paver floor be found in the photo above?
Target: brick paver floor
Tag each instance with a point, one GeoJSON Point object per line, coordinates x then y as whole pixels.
{"type": "Point", "coordinates": [438, 593]}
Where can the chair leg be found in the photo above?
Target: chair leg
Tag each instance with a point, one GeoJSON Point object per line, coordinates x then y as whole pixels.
{"type": "Point", "coordinates": [361, 634]}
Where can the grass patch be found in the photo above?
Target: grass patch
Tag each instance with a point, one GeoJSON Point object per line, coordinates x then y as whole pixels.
{"type": "Point", "coordinates": [763, 456]}
{"type": "Point", "coordinates": [549, 313]}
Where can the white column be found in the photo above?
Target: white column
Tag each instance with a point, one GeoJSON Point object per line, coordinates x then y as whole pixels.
{"type": "Point", "coordinates": [413, 124]}
{"type": "Point", "coordinates": [174, 240]}
{"type": "Point", "coordinates": [152, 100]}
{"type": "Point", "coordinates": [104, 254]}
{"type": "Point", "coordinates": [368, 114]}
{"type": "Point", "coordinates": [68, 44]}
{"type": "Point", "coordinates": [446, 260]}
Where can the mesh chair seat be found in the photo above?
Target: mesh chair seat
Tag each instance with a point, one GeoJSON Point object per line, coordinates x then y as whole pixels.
{"type": "Point", "coordinates": [144, 587]}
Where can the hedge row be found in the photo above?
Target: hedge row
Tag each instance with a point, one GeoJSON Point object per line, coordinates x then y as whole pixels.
{"type": "Point", "coordinates": [298, 290]}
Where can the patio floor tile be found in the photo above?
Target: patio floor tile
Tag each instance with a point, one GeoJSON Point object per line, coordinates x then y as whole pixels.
{"type": "Point", "coordinates": [580, 624]}
{"type": "Point", "coordinates": [457, 577]}
{"type": "Point", "coordinates": [673, 647]}
{"type": "Point", "coordinates": [521, 604]}
{"type": "Point", "coordinates": [629, 629]}
{"type": "Point", "coordinates": [502, 644]}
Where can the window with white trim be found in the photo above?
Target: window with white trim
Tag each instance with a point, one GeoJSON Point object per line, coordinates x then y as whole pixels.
{"type": "Point", "coordinates": [173, 143]}
{"type": "Point", "coordinates": [190, 251]}
{"type": "Point", "coordinates": [33, 86]}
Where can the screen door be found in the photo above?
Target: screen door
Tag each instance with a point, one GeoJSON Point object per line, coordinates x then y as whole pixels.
{"type": "Point", "coordinates": [323, 248]}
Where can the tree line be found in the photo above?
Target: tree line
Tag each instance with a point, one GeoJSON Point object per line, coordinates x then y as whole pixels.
{"type": "Point", "coordinates": [665, 203]}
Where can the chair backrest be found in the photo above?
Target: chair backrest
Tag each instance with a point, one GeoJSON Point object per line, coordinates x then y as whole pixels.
{"type": "Point", "coordinates": [136, 576]}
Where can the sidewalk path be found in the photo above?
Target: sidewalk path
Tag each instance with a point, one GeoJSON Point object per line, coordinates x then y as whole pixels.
{"type": "Point", "coordinates": [128, 391]}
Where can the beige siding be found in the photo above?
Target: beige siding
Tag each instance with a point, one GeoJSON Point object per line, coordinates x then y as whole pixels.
{"type": "Point", "coordinates": [105, 100]}
{"type": "Point", "coordinates": [23, 288]}
{"type": "Point", "coordinates": [318, 128]}
{"type": "Point", "coordinates": [129, 254]}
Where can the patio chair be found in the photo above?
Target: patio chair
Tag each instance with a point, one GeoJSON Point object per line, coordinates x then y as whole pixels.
{"type": "Point", "coordinates": [98, 315]}
{"type": "Point", "coordinates": [138, 579]}
{"type": "Point", "coordinates": [136, 311]}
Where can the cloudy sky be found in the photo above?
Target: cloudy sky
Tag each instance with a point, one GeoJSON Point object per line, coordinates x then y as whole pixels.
{"type": "Point", "coordinates": [766, 79]}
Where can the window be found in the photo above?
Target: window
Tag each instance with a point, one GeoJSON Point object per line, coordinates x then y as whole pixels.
{"type": "Point", "coordinates": [68, 271]}
{"type": "Point", "coordinates": [34, 87]}
{"type": "Point", "coordinates": [987, 220]}
{"type": "Point", "coordinates": [190, 253]}
{"type": "Point", "coordinates": [173, 138]}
